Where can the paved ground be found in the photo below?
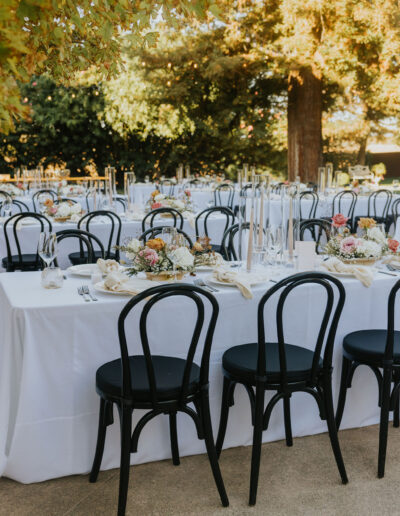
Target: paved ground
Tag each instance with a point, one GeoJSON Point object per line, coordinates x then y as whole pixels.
{"type": "Point", "coordinates": [302, 480]}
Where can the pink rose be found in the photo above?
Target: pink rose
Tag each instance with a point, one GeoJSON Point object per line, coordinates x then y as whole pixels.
{"type": "Point", "coordinates": [150, 255]}
{"type": "Point", "coordinates": [393, 245]}
{"type": "Point", "coordinates": [53, 210]}
{"type": "Point", "coordinates": [339, 220]}
{"type": "Point", "coordinates": [349, 244]}
{"type": "Point", "coordinates": [187, 193]}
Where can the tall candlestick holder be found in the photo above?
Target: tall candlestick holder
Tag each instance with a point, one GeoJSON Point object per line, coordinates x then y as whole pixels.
{"type": "Point", "coordinates": [129, 189]}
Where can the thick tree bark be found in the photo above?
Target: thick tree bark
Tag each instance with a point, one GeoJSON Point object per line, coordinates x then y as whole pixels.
{"type": "Point", "coordinates": [362, 152]}
{"type": "Point", "coordinates": [304, 124]}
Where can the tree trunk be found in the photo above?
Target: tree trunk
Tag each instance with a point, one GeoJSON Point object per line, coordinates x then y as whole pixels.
{"type": "Point", "coordinates": [304, 125]}
{"type": "Point", "coordinates": [362, 151]}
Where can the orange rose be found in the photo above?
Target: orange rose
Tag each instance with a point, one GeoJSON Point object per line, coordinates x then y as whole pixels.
{"type": "Point", "coordinates": [156, 243]}
{"type": "Point", "coordinates": [49, 203]}
{"type": "Point", "coordinates": [153, 194]}
{"type": "Point", "coordinates": [366, 223]}
{"type": "Point", "coordinates": [393, 245]}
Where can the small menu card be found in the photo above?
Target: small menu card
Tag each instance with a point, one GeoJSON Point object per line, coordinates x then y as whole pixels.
{"type": "Point", "coordinates": [306, 255]}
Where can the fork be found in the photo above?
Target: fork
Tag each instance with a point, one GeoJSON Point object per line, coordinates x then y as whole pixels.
{"type": "Point", "coordinates": [87, 291]}
{"type": "Point", "coordinates": [201, 283]}
{"type": "Point", "coordinates": [83, 294]}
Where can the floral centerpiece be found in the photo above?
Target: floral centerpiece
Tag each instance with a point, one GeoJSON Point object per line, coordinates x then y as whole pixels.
{"type": "Point", "coordinates": [14, 190]}
{"type": "Point", "coordinates": [365, 249]}
{"type": "Point", "coordinates": [159, 200]}
{"type": "Point", "coordinates": [65, 190]}
{"type": "Point", "coordinates": [158, 260]}
{"type": "Point", "coordinates": [63, 211]}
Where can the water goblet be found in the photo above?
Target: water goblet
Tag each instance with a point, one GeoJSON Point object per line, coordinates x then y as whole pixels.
{"type": "Point", "coordinates": [47, 247]}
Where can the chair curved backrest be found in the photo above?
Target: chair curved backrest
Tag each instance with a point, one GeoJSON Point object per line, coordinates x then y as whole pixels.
{"type": "Point", "coordinates": [389, 348]}
{"type": "Point", "coordinates": [308, 196]}
{"type": "Point", "coordinates": [5, 195]}
{"type": "Point", "coordinates": [228, 250]}
{"type": "Point", "coordinates": [396, 211]}
{"type": "Point", "coordinates": [45, 225]}
{"type": "Point", "coordinates": [50, 194]}
{"type": "Point", "coordinates": [329, 322]}
{"type": "Point", "coordinates": [386, 196]}
{"type": "Point", "coordinates": [120, 200]}
{"type": "Point", "coordinates": [151, 296]}
{"type": "Point", "coordinates": [203, 217]}
{"type": "Point", "coordinates": [195, 182]}
{"type": "Point", "coordinates": [85, 240]}
{"type": "Point", "coordinates": [157, 230]}
{"type": "Point", "coordinates": [224, 187]}
{"type": "Point", "coordinates": [166, 186]}
{"type": "Point", "coordinates": [17, 206]}
{"type": "Point", "coordinates": [337, 204]}
{"type": "Point", "coordinates": [318, 229]}
{"type": "Point", "coordinates": [167, 212]}
{"type": "Point", "coordinates": [115, 229]}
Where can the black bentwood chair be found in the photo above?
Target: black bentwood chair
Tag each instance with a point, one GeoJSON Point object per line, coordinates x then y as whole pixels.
{"type": "Point", "coordinates": [84, 241]}
{"type": "Point", "coordinates": [159, 384]}
{"type": "Point", "coordinates": [201, 222]}
{"type": "Point", "coordinates": [284, 368]}
{"type": "Point", "coordinates": [314, 199]}
{"type": "Point", "coordinates": [22, 261]}
{"type": "Point", "coordinates": [379, 350]}
{"type": "Point", "coordinates": [45, 194]}
{"type": "Point", "coordinates": [114, 236]}
{"type": "Point", "coordinates": [319, 230]}
{"type": "Point", "coordinates": [380, 215]}
{"type": "Point", "coordinates": [166, 212]}
{"type": "Point", "coordinates": [88, 256]}
{"type": "Point", "coordinates": [230, 192]}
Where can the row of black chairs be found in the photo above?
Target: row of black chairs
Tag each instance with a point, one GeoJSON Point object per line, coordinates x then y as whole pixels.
{"type": "Point", "coordinates": [168, 385]}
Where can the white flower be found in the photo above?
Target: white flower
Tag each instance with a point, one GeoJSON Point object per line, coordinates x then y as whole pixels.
{"type": "Point", "coordinates": [182, 258]}
{"type": "Point", "coordinates": [369, 249]}
{"type": "Point", "coordinates": [63, 210]}
{"type": "Point", "coordinates": [376, 235]}
{"type": "Point", "coordinates": [134, 245]}
{"type": "Point", "coordinates": [76, 208]}
{"type": "Point", "coordinates": [159, 197]}
{"type": "Point", "coordinates": [179, 205]}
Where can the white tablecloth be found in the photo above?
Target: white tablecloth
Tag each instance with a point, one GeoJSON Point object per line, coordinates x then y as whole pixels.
{"type": "Point", "coordinates": [53, 342]}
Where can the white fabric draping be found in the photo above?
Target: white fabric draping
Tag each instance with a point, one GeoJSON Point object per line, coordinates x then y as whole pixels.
{"type": "Point", "coordinates": [53, 342]}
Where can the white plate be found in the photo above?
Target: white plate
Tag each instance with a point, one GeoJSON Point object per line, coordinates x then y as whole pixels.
{"type": "Point", "coordinates": [214, 281]}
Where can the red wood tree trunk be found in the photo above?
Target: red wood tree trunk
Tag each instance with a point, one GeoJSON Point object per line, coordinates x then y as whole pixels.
{"type": "Point", "coordinates": [304, 125]}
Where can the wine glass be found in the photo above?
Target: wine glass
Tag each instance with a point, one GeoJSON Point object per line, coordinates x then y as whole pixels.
{"type": "Point", "coordinates": [7, 207]}
{"type": "Point", "coordinates": [168, 234]}
{"type": "Point", "coordinates": [275, 242]}
{"type": "Point", "coordinates": [47, 247]}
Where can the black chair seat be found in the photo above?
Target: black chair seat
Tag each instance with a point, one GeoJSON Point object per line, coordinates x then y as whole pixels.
{"type": "Point", "coordinates": [168, 373]}
{"type": "Point", "coordinates": [28, 260]}
{"type": "Point", "coordinates": [369, 345]}
{"type": "Point", "coordinates": [241, 362]}
{"type": "Point", "coordinates": [80, 258]}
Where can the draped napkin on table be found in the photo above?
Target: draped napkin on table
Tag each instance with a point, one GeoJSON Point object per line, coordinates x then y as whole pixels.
{"type": "Point", "coordinates": [242, 280]}
{"type": "Point", "coordinates": [119, 282]}
{"type": "Point", "coordinates": [107, 266]}
{"type": "Point", "coordinates": [362, 272]}
{"type": "Point", "coordinates": [392, 259]}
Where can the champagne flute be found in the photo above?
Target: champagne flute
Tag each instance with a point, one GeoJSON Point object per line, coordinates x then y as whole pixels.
{"type": "Point", "coordinates": [7, 207]}
{"type": "Point", "coordinates": [47, 247]}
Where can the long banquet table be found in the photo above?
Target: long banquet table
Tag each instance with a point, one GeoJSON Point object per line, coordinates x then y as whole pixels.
{"type": "Point", "coordinates": [53, 342]}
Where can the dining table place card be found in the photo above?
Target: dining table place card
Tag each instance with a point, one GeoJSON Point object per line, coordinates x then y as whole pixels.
{"type": "Point", "coordinates": [306, 255]}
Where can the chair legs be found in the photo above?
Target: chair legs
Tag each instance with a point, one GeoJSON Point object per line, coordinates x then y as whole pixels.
{"type": "Point", "coordinates": [384, 422]}
{"type": "Point", "coordinates": [346, 366]}
{"type": "Point", "coordinates": [174, 439]}
{"type": "Point", "coordinates": [330, 418]}
{"type": "Point", "coordinates": [396, 401]}
{"type": "Point", "coordinates": [257, 439]}
{"type": "Point", "coordinates": [225, 404]}
{"type": "Point", "coordinates": [125, 414]}
{"type": "Point", "coordinates": [211, 451]}
{"type": "Point", "coordinates": [105, 419]}
{"type": "Point", "coordinates": [288, 423]}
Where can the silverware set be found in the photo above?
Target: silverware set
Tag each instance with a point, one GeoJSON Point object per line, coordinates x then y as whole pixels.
{"type": "Point", "coordinates": [201, 283]}
{"type": "Point", "coordinates": [84, 291]}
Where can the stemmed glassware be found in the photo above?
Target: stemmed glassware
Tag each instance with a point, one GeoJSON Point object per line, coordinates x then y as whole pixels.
{"type": "Point", "coordinates": [275, 243]}
{"type": "Point", "coordinates": [47, 247]}
{"type": "Point", "coordinates": [7, 208]}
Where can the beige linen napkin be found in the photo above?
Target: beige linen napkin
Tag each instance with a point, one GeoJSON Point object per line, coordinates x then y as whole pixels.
{"type": "Point", "coordinates": [188, 215]}
{"type": "Point", "coordinates": [118, 282]}
{"type": "Point", "coordinates": [392, 259]}
{"type": "Point", "coordinates": [241, 280]}
{"type": "Point", "coordinates": [361, 272]}
{"type": "Point", "coordinates": [107, 266]}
